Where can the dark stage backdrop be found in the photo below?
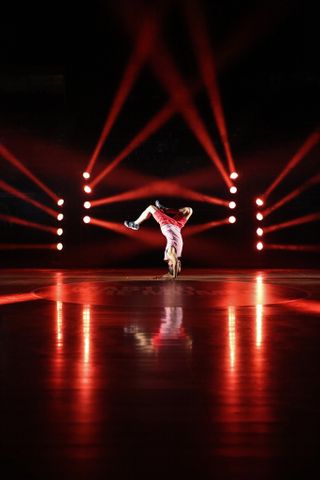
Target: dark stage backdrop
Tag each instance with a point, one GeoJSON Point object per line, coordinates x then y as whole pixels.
{"type": "Point", "coordinates": [61, 66]}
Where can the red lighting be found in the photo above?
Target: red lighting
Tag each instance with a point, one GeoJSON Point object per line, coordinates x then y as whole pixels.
{"type": "Point", "coordinates": [311, 142]}
{"type": "Point", "coordinates": [86, 219]}
{"type": "Point", "coordinates": [87, 205]}
{"type": "Point", "coordinates": [86, 175]}
{"type": "Point", "coordinates": [177, 88]}
{"type": "Point", "coordinates": [206, 61]}
{"type": "Point", "coordinates": [59, 231]}
{"type": "Point", "coordinates": [259, 246]}
{"type": "Point", "coordinates": [4, 152]}
{"type": "Point", "coordinates": [233, 189]}
{"type": "Point", "coordinates": [259, 232]}
{"type": "Point", "coordinates": [234, 175]}
{"type": "Point", "coordinates": [312, 217]}
{"type": "Point", "coordinates": [59, 246]}
{"type": "Point", "coordinates": [26, 223]}
{"type": "Point", "coordinates": [13, 191]}
{"type": "Point", "coordinates": [87, 189]}
{"type": "Point", "coordinates": [60, 217]}
{"type": "Point", "coordinates": [60, 202]}
{"type": "Point", "coordinates": [232, 219]}
{"type": "Point", "coordinates": [232, 205]}
{"type": "Point", "coordinates": [259, 216]}
{"type": "Point", "coordinates": [259, 202]}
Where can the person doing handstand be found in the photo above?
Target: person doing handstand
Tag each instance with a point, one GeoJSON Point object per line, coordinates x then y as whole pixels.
{"type": "Point", "coordinates": [171, 222]}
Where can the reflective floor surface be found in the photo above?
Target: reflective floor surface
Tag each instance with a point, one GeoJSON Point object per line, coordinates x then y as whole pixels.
{"type": "Point", "coordinates": [110, 374]}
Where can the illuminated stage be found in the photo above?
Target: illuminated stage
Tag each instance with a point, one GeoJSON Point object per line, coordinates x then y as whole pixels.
{"type": "Point", "coordinates": [117, 374]}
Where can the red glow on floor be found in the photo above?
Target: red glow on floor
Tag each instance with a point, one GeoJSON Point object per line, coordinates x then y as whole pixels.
{"type": "Point", "coordinates": [206, 61]}
{"type": "Point", "coordinates": [312, 217]}
{"type": "Point", "coordinates": [17, 193]}
{"type": "Point", "coordinates": [26, 223]}
{"type": "Point", "coordinates": [292, 195]}
{"type": "Point", "coordinates": [4, 152]}
{"type": "Point", "coordinates": [311, 142]}
{"type": "Point", "coordinates": [143, 46]}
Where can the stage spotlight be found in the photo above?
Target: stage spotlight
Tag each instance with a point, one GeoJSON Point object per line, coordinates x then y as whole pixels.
{"type": "Point", "coordinates": [234, 175]}
{"type": "Point", "coordinates": [87, 204]}
{"type": "Point", "coordinates": [259, 216]}
{"type": "Point", "coordinates": [87, 189]}
{"type": "Point", "coordinates": [60, 202]}
{"type": "Point", "coordinates": [259, 202]}
{"type": "Point", "coordinates": [233, 189]}
{"type": "Point", "coordinates": [59, 246]}
{"type": "Point", "coordinates": [259, 232]}
{"type": "Point", "coordinates": [59, 231]}
{"type": "Point", "coordinates": [60, 217]}
{"type": "Point", "coordinates": [232, 205]}
{"type": "Point", "coordinates": [86, 175]}
{"type": "Point", "coordinates": [86, 219]}
{"type": "Point", "coordinates": [232, 219]}
{"type": "Point", "coordinates": [259, 246]}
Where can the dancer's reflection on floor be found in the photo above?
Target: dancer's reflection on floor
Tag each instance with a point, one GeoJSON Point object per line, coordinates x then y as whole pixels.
{"type": "Point", "coordinates": [171, 332]}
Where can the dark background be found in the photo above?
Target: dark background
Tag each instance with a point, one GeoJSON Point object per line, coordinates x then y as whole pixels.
{"type": "Point", "coordinates": [61, 64]}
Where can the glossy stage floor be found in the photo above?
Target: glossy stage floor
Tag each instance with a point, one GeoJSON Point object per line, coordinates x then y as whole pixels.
{"type": "Point", "coordinates": [110, 374]}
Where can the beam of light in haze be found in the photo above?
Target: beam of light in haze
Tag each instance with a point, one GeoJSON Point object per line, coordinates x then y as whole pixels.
{"type": "Point", "coordinates": [26, 223]}
{"type": "Point", "coordinates": [294, 248]}
{"type": "Point", "coordinates": [147, 236]}
{"type": "Point", "coordinates": [290, 196]}
{"type": "Point", "coordinates": [312, 217]}
{"type": "Point", "coordinates": [28, 246]}
{"type": "Point", "coordinates": [7, 155]}
{"type": "Point", "coordinates": [142, 49]}
{"type": "Point", "coordinates": [310, 143]}
{"type": "Point", "coordinates": [178, 90]}
{"type": "Point", "coordinates": [163, 188]}
{"type": "Point", "coordinates": [13, 191]}
{"type": "Point", "coordinates": [240, 41]}
{"type": "Point", "coordinates": [194, 229]}
{"type": "Point", "coordinates": [205, 58]}
{"type": "Point", "coordinates": [152, 126]}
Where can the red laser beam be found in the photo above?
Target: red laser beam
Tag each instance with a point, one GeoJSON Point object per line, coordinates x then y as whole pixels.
{"type": "Point", "coordinates": [13, 191]}
{"type": "Point", "coordinates": [194, 229]}
{"type": "Point", "coordinates": [139, 56]}
{"type": "Point", "coordinates": [152, 126]}
{"type": "Point", "coordinates": [205, 58]}
{"type": "Point", "coordinates": [17, 297]}
{"type": "Point", "coordinates": [290, 196]}
{"type": "Point", "coordinates": [235, 46]}
{"type": "Point", "coordinates": [28, 246]}
{"type": "Point", "coordinates": [163, 188]}
{"type": "Point", "coordinates": [149, 237]}
{"type": "Point", "coordinates": [312, 217]}
{"type": "Point", "coordinates": [4, 152]}
{"type": "Point", "coordinates": [26, 223]}
{"type": "Point", "coordinates": [171, 79]}
{"type": "Point", "coordinates": [295, 248]}
{"type": "Point", "coordinates": [311, 142]}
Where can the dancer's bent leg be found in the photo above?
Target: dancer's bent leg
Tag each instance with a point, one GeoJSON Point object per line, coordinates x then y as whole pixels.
{"type": "Point", "coordinates": [150, 210]}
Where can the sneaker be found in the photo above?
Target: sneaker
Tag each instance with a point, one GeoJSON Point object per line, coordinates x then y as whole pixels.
{"type": "Point", "coordinates": [132, 225]}
{"type": "Point", "coordinates": [158, 205]}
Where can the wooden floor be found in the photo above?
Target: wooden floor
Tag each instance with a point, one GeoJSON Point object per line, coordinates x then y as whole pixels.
{"type": "Point", "coordinates": [124, 375]}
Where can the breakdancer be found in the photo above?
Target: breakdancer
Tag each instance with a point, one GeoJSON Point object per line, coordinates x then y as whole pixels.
{"type": "Point", "coordinates": [171, 222]}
